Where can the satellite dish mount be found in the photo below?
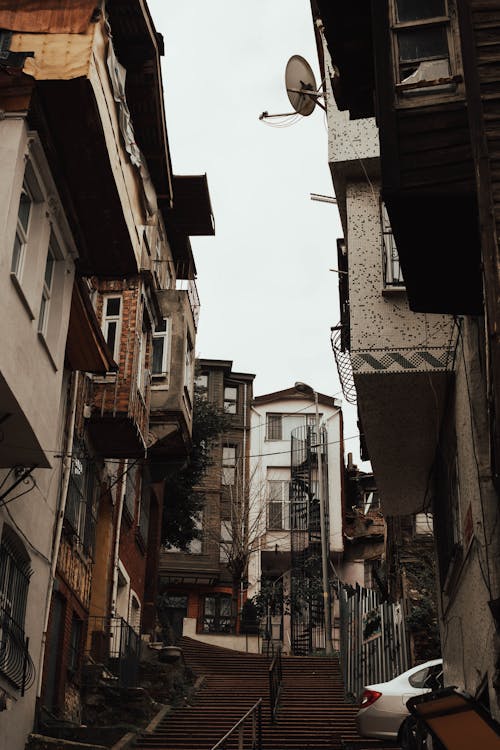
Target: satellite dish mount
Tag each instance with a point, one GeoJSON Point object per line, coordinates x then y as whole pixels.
{"type": "Point", "coordinates": [300, 87]}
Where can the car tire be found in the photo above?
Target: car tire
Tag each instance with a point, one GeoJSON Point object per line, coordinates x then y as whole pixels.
{"type": "Point", "coordinates": [407, 735]}
{"type": "Point", "coordinates": [413, 735]}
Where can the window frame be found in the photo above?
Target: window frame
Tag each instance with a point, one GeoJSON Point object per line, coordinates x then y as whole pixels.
{"type": "Point", "coordinates": [427, 91]}
{"type": "Point", "coordinates": [164, 337]}
{"type": "Point", "coordinates": [283, 503]}
{"type": "Point", "coordinates": [114, 318]}
{"type": "Point", "coordinates": [228, 465]}
{"type": "Point", "coordinates": [230, 404]}
{"type": "Point", "coordinates": [392, 277]}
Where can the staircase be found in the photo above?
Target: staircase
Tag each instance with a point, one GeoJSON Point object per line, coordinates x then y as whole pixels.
{"type": "Point", "coordinates": [312, 712]}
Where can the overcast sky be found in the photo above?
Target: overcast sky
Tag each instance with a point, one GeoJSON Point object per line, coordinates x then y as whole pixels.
{"type": "Point", "coordinates": [268, 298]}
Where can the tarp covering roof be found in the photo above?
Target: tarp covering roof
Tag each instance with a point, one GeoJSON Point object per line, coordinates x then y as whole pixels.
{"type": "Point", "coordinates": [47, 16]}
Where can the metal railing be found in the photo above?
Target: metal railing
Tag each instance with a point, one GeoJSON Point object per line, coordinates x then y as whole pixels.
{"type": "Point", "coordinates": [113, 643]}
{"type": "Point", "coordinates": [275, 682]}
{"type": "Point", "coordinates": [189, 286]}
{"type": "Point", "coordinates": [15, 661]}
{"type": "Point", "coordinates": [253, 717]}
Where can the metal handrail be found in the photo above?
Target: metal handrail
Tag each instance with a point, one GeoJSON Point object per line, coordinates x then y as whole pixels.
{"type": "Point", "coordinates": [275, 682]}
{"type": "Point", "coordinates": [256, 713]}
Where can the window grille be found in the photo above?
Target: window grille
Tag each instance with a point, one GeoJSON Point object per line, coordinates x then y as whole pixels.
{"type": "Point", "coordinates": [393, 276]}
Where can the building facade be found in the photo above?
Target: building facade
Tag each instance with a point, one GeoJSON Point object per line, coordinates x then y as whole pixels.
{"type": "Point", "coordinates": [285, 487]}
{"type": "Point", "coordinates": [99, 314]}
{"type": "Point", "coordinates": [203, 589]}
{"type": "Point", "coordinates": [421, 344]}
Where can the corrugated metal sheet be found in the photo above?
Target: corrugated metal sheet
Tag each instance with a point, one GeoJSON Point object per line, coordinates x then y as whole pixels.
{"type": "Point", "coordinates": [47, 16]}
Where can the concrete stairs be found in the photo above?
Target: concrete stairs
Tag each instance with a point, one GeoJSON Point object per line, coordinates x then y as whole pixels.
{"type": "Point", "coordinates": [312, 712]}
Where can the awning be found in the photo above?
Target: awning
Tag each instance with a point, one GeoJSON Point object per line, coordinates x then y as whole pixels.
{"type": "Point", "coordinates": [86, 347]}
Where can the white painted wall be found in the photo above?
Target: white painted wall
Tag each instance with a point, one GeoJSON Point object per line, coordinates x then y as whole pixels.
{"type": "Point", "coordinates": [267, 455]}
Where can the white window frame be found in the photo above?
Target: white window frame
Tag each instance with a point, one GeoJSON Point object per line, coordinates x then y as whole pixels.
{"type": "Point", "coordinates": [189, 366]}
{"type": "Point", "coordinates": [230, 404]}
{"type": "Point", "coordinates": [22, 233]}
{"type": "Point", "coordinates": [228, 474]}
{"type": "Point", "coordinates": [48, 284]}
{"type": "Point", "coordinates": [114, 318]}
{"type": "Point", "coordinates": [226, 538]}
{"type": "Point", "coordinates": [283, 502]}
{"type": "Point", "coordinates": [448, 84]}
{"type": "Point", "coordinates": [142, 372]}
{"type": "Point", "coordinates": [393, 275]}
{"type": "Point", "coordinates": [164, 337]}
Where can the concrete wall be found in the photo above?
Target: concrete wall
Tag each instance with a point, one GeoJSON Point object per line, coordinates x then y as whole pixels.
{"type": "Point", "coordinates": [34, 419]}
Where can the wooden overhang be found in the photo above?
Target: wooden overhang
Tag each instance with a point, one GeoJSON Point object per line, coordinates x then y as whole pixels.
{"type": "Point", "coordinates": [427, 167]}
{"type": "Point", "coordinates": [183, 200]}
{"type": "Point", "coordinates": [348, 33]}
{"type": "Point", "coordinates": [192, 210]}
{"type": "Point", "coordinates": [86, 347]}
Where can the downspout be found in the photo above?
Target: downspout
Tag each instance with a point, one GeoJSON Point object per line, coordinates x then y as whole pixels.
{"type": "Point", "coordinates": [56, 544]}
{"type": "Point", "coordinates": [116, 553]}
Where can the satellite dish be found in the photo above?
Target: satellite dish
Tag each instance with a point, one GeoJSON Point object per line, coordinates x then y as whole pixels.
{"type": "Point", "coordinates": [300, 85]}
{"type": "Point", "coordinates": [301, 90]}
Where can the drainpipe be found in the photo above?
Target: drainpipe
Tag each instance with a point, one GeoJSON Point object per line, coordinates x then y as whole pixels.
{"type": "Point", "coordinates": [116, 553]}
{"type": "Point", "coordinates": [66, 471]}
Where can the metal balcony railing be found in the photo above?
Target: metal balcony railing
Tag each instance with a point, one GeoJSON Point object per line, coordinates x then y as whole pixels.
{"type": "Point", "coordinates": [189, 286]}
{"type": "Point", "coordinates": [113, 643]}
{"type": "Point", "coordinates": [16, 664]}
{"type": "Point", "coordinates": [344, 364]}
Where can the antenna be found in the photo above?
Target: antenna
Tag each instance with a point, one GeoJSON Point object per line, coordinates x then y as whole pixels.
{"type": "Point", "coordinates": [300, 87]}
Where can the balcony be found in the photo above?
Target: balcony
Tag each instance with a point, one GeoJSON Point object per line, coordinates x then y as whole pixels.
{"type": "Point", "coordinates": [119, 420]}
{"type": "Point", "coordinates": [171, 393]}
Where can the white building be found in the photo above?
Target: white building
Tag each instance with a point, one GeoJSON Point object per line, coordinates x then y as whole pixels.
{"type": "Point", "coordinates": [275, 417]}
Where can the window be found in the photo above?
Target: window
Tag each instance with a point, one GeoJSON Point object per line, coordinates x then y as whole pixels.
{"type": "Point", "coordinates": [15, 573]}
{"type": "Point", "coordinates": [217, 614]}
{"type": "Point", "coordinates": [280, 426]}
{"type": "Point", "coordinates": [41, 265]}
{"type": "Point", "coordinates": [160, 349]}
{"type": "Point", "coordinates": [226, 538]}
{"type": "Point", "coordinates": [75, 643]}
{"type": "Point", "coordinates": [201, 383]}
{"type": "Point", "coordinates": [278, 504]}
{"type": "Point", "coordinates": [144, 515]}
{"type": "Point", "coordinates": [230, 400]}
{"type": "Point", "coordinates": [430, 677]}
{"type": "Point", "coordinates": [130, 490]}
{"type": "Point", "coordinates": [82, 502]}
{"type": "Point", "coordinates": [22, 230]}
{"type": "Point", "coordinates": [195, 547]}
{"type": "Point", "coordinates": [422, 43]}
{"type": "Point", "coordinates": [111, 325]}
{"type": "Point", "coordinates": [393, 276]}
{"type": "Point", "coordinates": [47, 287]}
{"type": "Point", "coordinates": [142, 372]}
{"type": "Point", "coordinates": [189, 367]}
{"type": "Point", "coordinates": [135, 613]}
{"type": "Point", "coordinates": [228, 465]}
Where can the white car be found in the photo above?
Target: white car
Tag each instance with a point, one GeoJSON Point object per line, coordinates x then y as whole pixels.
{"type": "Point", "coordinates": [383, 706]}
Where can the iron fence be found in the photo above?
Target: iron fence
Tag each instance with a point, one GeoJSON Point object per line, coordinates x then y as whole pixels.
{"type": "Point", "coordinates": [113, 643]}
{"type": "Point", "coordinates": [373, 643]}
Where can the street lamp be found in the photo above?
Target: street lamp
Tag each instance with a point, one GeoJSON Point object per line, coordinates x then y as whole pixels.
{"type": "Point", "coordinates": [306, 389]}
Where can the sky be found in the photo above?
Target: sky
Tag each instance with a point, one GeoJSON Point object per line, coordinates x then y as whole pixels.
{"type": "Point", "coordinates": [268, 298]}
